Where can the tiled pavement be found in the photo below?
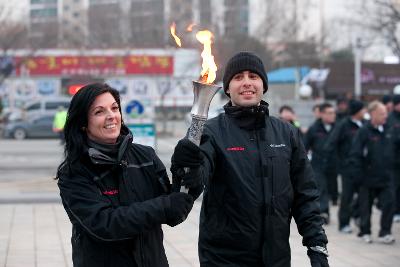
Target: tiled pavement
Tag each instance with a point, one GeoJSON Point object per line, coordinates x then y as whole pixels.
{"type": "Point", "coordinates": [39, 235]}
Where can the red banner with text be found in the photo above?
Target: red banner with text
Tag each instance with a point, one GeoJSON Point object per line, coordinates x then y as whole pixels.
{"type": "Point", "coordinates": [96, 65]}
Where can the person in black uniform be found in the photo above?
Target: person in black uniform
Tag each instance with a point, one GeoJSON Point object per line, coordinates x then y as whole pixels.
{"type": "Point", "coordinates": [339, 143]}
{"type": "Point", "coordinates": [116, 193]}
{"type": "Point", "coordinates": [388, 102]}
{"type": "Point", "coordinates": [342, 108]}
{"type": "Point", "coordinates": [314, 141]}
{"type": "Point", "coordinates": [394, 125]}
{"type": "Point", "coordinates": [256, 177]}
{"type": "Point", "coordinates": [370, 161]}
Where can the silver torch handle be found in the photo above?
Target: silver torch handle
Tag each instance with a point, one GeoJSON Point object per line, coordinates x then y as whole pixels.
{"type": "Point", "coordinates": [194, 135]}
{"type": "Point", "coordinates": [203, 94]}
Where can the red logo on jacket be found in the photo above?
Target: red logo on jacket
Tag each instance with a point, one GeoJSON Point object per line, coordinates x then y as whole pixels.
{"type": "Point", "coordinates": [110, 192]}
{"type": "Point", "coordinates": [235, 148]}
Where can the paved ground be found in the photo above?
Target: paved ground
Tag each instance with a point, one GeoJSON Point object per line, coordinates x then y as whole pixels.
{"type": "Point", "coordinates": [39, 235]}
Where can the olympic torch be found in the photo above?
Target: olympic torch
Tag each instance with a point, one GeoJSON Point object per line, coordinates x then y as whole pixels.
{"type": "Point", "coordinates": [204, 91]}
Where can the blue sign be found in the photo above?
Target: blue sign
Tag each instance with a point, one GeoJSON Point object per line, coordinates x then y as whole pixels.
{"type": "Point", "coordinates": [46, 87]}
{"type": "Point", "coordinates": [134, 109]}
{"type": "Point", "coordinates": [144, 134]}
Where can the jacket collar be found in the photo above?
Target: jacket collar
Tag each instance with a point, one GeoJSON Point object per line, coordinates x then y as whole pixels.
{"type": "Point", "coordinates": [109, 154]}
{"type": "Point", "coordinates": [248, 118]}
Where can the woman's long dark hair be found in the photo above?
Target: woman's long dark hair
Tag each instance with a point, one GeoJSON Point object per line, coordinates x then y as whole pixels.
{"type": "Point", "coordinates": [77, 122]}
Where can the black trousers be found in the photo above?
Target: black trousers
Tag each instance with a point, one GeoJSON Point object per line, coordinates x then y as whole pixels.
{"type": "Point", "coordinates": [386, 198]}
{"type": "Point", "coordinates": [347, 208]}
{"type": "Point", "coordinates": [396, 180]}
{"type": "Point", "coordinates": [322, 184]}
{"type": "Point", "coordinates": [332, 180]}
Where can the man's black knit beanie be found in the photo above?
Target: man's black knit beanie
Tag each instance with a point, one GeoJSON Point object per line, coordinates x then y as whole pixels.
{"type": "Point", "coordinates": [244, 61]}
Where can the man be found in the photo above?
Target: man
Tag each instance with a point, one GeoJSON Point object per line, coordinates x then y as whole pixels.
{"type": "Point", "coordinates": [388, 102]}
{"type": "Point", "coordinates": [59, 121]}
{"type": "Point", "coordinates": [256, 177]}
{"type": "Point", "coordinates": [286, 113]}
{"type": "Point", "coordinates": [370, 160]}
{"type": "Point", "coordinates": [315, 111]}
{"type": "Point", "coordinates": [341, 108]}
{"type": "Point", "coordinates": [325, 173]}
{"type": "Point", "coordinates": [394, 125]}
{"type": "Point", "coordinates": [339, 143]}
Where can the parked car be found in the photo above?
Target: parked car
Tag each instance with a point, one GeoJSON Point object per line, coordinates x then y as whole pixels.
{"type": "Point", "coordinates": [39, 127]}
{"type": "Point", "coordinates": [40, 107]}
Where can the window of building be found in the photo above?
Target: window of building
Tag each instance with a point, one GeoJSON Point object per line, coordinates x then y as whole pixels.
{"type": "Point", "coordinates": [43, 1]}
{"type": "Point", "coordinates": [46, 12]}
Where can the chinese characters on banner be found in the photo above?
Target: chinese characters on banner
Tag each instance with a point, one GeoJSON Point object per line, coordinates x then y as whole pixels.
{"type": "Point", "coordinates": [97, 65]}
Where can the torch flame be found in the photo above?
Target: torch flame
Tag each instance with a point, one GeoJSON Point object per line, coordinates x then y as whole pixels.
{"type": "Point", "coordinates": [209, 68]}
{"type": "Point", "coordinates": [177, 40]}
{"type": "Point", "coordinates": [189, 28]}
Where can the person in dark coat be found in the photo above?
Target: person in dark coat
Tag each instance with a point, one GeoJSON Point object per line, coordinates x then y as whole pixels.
{"type": "Point", "coordinates": [339, 143]}
{"type": "Point", "coordinates": [394, 125]}
{"type": "Point", "coordinates": [370, 161]}
{"type": "Point", "coordinates": [116, 193]}
{"type": "Point", "coordinates": [314, 141]}
{"type": "Point", "coordinates": [256, 177]}
{"type": "Point", "coordinates": [342, 108]}
{"type": "Point", "coordinates": [388, 102]}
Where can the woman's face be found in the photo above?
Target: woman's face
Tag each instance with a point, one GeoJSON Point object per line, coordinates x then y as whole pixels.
{"type": "Point", "coordinates": [104, 120]}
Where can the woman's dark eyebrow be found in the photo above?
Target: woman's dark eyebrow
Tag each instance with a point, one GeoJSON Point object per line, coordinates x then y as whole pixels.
{"type": "Point", "coordinates": [97, 107]}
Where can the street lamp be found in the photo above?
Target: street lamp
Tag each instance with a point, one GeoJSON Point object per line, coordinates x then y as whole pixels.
{"type": "Point", "coordinates": [357, 68]}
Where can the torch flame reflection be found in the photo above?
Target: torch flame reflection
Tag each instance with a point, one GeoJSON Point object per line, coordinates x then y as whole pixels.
{"type": "Point", "coordinates": [173, 29]}
{"type": "Point", "coordinates": [209, 68]}
{"type": "Point", "coordinates": [189, 28]}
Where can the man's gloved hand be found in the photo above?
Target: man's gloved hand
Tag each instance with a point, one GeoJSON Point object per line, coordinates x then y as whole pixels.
{"type": "Point", "coordinates": [180, 204]}
{"type": "Point", "coordinates": [317, 259]}
{"type": "Point", "coordinates": [187, 155]}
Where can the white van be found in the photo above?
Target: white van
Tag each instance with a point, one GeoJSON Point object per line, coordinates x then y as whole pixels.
{"type": "Point", "coordinates": [44, 106]}
{"type": "Point", "coordinates": [40, 107]}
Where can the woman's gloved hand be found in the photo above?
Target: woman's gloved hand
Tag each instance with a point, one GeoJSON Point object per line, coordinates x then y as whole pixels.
{"type": "Point", "coordinates": [317, 259]}
{"type": "Point", "coordinates": [187, 156]}
{"type": "Point", "coordinates": [178, 208]}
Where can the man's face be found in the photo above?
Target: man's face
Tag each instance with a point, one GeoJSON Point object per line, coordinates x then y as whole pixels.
{"type": "Point", "coordinates": [379, 115]}
{"type": "Point", "coordinates": [342, 106]}
{"type": "Point", "coordinates": [287, 115]}
{"type": "Point", "coordinates": [246, 89]}
{"type": "Point", "coordinates": [396, 107]}
{"type": "Point", "coordinates": [328, 115]}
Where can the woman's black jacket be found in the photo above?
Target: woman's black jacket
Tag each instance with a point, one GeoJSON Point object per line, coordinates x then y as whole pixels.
{"type": "Point", "coordinates": [116, 210]}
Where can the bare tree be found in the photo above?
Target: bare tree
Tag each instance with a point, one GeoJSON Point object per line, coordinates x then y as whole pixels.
{"type": "Point", "coordinates": [382, 19]}
{"type": "Point", "coordinates": [12, 35]}
{"type": "Point", "coordinates": [227, 45]}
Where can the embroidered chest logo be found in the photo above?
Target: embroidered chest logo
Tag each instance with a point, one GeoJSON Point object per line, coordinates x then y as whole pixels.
{"type": "Point", "coordinates": [235, 148]}
{"type": "Point", "coordinates": [110, 192]}
{"type": "Point", "coordinates": [276, 145]}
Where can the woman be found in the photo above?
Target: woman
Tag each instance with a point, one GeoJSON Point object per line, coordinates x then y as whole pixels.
{"type": "Point", "coordinates": [116, 193]}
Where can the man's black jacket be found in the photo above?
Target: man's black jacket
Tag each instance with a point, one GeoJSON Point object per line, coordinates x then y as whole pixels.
{"type": "Point", "coordinates": [315, 140]}
{"type": "Point", "coordinates": [257, 177]}
{"type": "Point", "coordinates": [116, 215]}
{"type": "Point", "coordinates": [339, 142]}
{"type": "Point", "coordinates": [370, 156]}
